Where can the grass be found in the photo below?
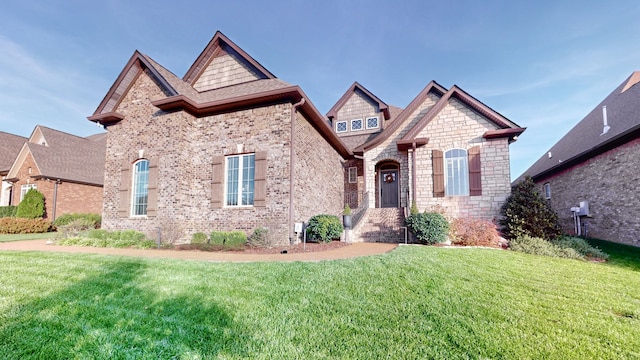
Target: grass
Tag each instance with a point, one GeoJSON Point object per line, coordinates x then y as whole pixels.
{"type": "Point", "coordinates": [413, 303]}
{"type": "Point", "coordinates": [625, 256]}
{"type": "Point", "coordinates": [18, 237]}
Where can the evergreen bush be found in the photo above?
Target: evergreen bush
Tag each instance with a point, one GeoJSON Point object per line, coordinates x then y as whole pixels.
{"type": "Point", "coordinates": [324, 228]}
{"type": "Point", "coordinates": [199, 238]}
{"type": "Point", "coordinates": [428, 227]}
{"type": "Point", "coordinates": [95, 219]}
{"type": "Point", "coordinates": [526, 212]}
{"type": "Point", "coordinates": [31, 206]}
{"type": "Point", "coordinates": [8, 211]}
{"type": "Point", "coordinates": [24, 226]}
{"type": "Point", "coordinates": [229, 240]}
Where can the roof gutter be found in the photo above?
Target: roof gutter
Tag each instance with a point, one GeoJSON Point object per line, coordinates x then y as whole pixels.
{"type": "Point", "coordinates": [292, 159]}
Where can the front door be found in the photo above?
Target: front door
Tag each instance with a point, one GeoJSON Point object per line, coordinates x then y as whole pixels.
{"type": "Point", "coordinates": [389, 188]}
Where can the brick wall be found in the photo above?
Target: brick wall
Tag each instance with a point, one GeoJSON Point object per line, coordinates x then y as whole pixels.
{"type": "Point", "coordinates": [458, 127]}
{"type": "Point", "coordinates": [319, 185]}
{"type": "Point", "coordinates": [185, 147]}
{"type": "Point", "coordinates": [609, 182]}
{"type": "Point", "coordinates": [70, 198]}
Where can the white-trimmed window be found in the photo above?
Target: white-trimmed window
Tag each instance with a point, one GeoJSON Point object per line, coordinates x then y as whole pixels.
{"type": "Point", "coordinates": [353, 175]}
{"type": "Point", "coordinates": [356, 124]}
{"type": "Point", "coordinates": [547, 191]}
{"type": "Point", "coordinates": [456, 172]}
{"type": "Point", "coordinates": [140, 193]}
{"type": "Point", "coordinates": [341, 126]}
{"type": "Point", "coordinates": [372, 122]}
{"type": "Point", "coordinates": [240, 175]}
{"type": "Point", "coordinates": [25, 188]}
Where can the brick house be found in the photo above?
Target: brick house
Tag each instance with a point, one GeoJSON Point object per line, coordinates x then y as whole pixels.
{"type": "Point", "coordinates": [231, 147]}
{"type": "Point", "coordinates": [596, 164]}
{"type": "Point", "coordinates": [226, 147]}
{"type": "Point", "coordinates": [445, 151]}
{"type": "Point", "coordinates": [10, 146]}
{"type": "Point", "coordinates": [67, 169]}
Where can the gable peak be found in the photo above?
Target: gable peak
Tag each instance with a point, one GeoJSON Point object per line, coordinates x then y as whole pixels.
{"type": "Point", "coordinates": [633, 79]}
{"type": "Point", "coordinates": [205, 73]}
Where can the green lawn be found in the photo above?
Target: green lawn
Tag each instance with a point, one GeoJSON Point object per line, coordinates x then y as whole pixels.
{"type": "Point", "coordinates": [17, 237]}
{"type": "Point", "coordinates": [413, 303]}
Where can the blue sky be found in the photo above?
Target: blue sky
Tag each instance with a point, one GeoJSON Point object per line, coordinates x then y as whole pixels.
{"type": "Point", "coordinates": [542, 64]}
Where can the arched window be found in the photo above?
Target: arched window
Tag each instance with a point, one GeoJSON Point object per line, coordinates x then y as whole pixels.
{"type": "Point", "coordinates": [140, 193]}
{"type": "Point", "coordinates": [456, 172]}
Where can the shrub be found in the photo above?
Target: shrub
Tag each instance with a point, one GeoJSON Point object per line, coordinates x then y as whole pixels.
{"type": "Point", "coordinates": [76, 227]}
{"type": "Point", "coordinates": [8, 211]}
{"type": "Point", "coordinates": [324, 228]}
{"type": "Point", "coordinates": [474, 232]}
{"type": "Point", "coordinates": [24, 226]}
{"type": "Point", "coordinates": [581, 246]}
{"type": "Point", "coordinates": [428, 227]}
{"type": "Point", "coordinates": [31, 206]}
{"type": "Point", "coordinates": [261, 237]}
{"type": "Point", "coordinates": [526, 213]}
{"type": "Point", "coordinates": [199, 238]}
{"type": "Point", "coordinates": [347, 210]}
{"type": "Point", "coordinates": [538, 246]}
{"type": "Point", "coordinates": [95, 219]}
{"type": "Point", "coordinates": [414, 208]}
{"type": "Point", "coordinates": [113, 239]}
{"type": "Point", "coordinates": [229, 240]}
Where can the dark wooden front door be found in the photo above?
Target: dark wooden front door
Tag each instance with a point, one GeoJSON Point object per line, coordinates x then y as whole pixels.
{"type": "Point", "coordinates": [389, 189]}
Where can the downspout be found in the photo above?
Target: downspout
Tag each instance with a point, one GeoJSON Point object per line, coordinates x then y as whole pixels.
{"type": "Point", "coordinates": [413, 175]}
{"type": "Point", "coordinates": [55, 199]}
{"type": "Point", "coordinates": [292, 166]}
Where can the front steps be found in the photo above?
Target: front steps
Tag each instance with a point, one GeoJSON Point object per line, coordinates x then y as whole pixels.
{"type": "Point", "coordinates": [380, 225]}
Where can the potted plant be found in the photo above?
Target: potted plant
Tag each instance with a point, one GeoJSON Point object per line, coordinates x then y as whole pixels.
{"type": "Point", "coordinates": [346, 216]}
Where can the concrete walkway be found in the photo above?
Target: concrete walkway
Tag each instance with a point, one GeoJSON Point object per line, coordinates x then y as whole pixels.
{"type": "Point", "coordinates": [345, 252]}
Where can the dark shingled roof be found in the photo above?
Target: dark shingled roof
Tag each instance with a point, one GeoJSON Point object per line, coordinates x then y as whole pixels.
{"type": "Point", "coordinates": [587, 138]}
{"type": "Point", "coordinates": [70, 157]}
{"type": "Point", "coordinates": [10, 146]}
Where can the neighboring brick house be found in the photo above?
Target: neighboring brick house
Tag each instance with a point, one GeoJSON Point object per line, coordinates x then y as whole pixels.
{"type": "Point", "coordinates": [10, 146]}
{"type": "Point", "coordinates": [596, 163]}
{"type": "Point", "coordinates": [226, 147]}
{"type": "Point", "coordinates": [445, 151]}
{"type": "Point", "coordinates": [67, 169]}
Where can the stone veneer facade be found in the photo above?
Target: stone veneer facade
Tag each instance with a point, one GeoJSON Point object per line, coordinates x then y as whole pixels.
{"type": "Point", "coordinates": [184, 147]}
{"type": "Point", "coordinates": [609, 182]}
{"type": "Point", "coordinates": [458, 127]}
{"type": "Point", "coordinates": [388, 151]}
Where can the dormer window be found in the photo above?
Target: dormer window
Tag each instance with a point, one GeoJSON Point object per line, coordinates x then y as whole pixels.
{"type": "Point", "coordinates": [341, 126]}
{"type": "Point", "coordinates": [356, 124]}
{"type": "Point", "coordinates": [372, 122]}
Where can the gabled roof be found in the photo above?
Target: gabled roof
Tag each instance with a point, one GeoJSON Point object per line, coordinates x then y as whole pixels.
{"type": "Point", "coordinates": [181, 95]}
{"type": "Point", "coordinates": [588, 138]}
{"type": "Point", "coordinates": [219, 43]}
{"type": "Point", "coordinates": [10, 146]}
{"type": "Point", "coordinates": [333, 112]}
{"type": "Point", "coordinates": [432, 87]}
{"type": "Point", "coordinates": [506, 128]}
{"type": "Point", "coordinates": [64, 156]}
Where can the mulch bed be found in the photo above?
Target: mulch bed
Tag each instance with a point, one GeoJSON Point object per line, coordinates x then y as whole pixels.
{"type": "Point", "coordinates": [291, 249]}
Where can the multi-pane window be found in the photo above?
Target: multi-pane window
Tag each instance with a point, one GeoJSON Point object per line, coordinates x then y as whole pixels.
{"type": "Point", "coordinates": [240, 175]}
{"type": "Point", "coordinates": [372, 122]}
{"type": "Point", "coordinates": [356, 124]}
{"type": "Point", "coordinates": [140, 193]}
{"type": "Point", "coordinates": [547, 191]}
{"type": "Point", "coordinates": [341, 126]}
{"type": "Point", "coordinates": [353, 175]}
{"type": "Point", "coordinates": [25, 188]}
{"type": "Point", "coordinates": [456, 172]}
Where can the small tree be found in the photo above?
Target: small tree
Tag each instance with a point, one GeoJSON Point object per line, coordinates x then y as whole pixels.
{"type": "Point", "coordinates": [32, 205]}
{"type": "Point", "coordinates": [526, 212]}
